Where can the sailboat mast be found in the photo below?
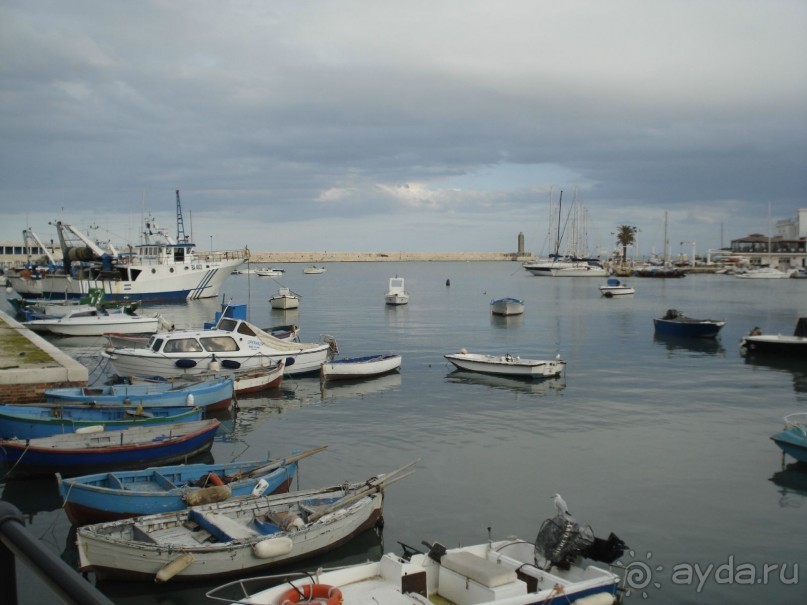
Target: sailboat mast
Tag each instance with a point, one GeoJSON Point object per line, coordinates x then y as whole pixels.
{"type": "Point", "coordinates": [557, 241]}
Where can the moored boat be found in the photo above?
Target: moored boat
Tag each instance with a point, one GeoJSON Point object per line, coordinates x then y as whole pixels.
{"type": "Point", "coordinates": [95, 321]}
{"type": "Point", "coordinates": [757, 344]}
{"type": "Point", "coordinates": [232, 344]}
{"type": "Point", "coordinates": [501, 572]}
{"type": "Point", "coordinates": [212, 394]}
{"type": "Point", "coordinates": [284, 299]}
{"type": "Point", "coordinates": [396, 293]}
{"type": "Point", "coordinates": [314, 270]}
{"type": "Point", "coordinates": [614, 287]}
{"type": "Point", "coordinates": [234, 537]}
{"type": "Point", "coordinates": [29, 421]}
{"type": "Point", "coordinates": [507, 306]}
{"type": "Point", "coordinates": [360, 367]}
{"type": "Point", "coordinates": [117, 494]}
{"type": "Point", "coordinates": [675, 323]}
{"type": "Point", "coordinates": [792, 439]}
{"type": "Point", "coordinates": [94, 451]}
{"type": "Point", "coordinates": [508, 365]}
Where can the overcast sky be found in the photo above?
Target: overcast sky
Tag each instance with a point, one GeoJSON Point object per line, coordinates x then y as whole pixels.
{"type": "Point", "coordinates": [418, 125]}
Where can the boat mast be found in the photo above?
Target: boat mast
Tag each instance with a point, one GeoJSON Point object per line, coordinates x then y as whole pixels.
{"type": "Point", "coordinates": [666, 243]}
{"type": "Point", "coordinates": [181, 238]}
{"type": "Point", "coordinates": [557, 241]}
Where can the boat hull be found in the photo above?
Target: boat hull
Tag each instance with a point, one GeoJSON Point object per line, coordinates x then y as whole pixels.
{"type": "Point", "coordinates": [96, 326]}
{"type": "Point", "coordinates": [123, 558]}
{"type": "Point", "coordinates": [153, 283]}
{"type": "Point", "coordinates": [79, 454]}
{"type": "Point", "coordinates": [688, 328]}
{"type": "Point", "coordinates": [214, 394]}
{"type": "Point", "coordinates": [507, 365]}
{"type": "Point", "coordinates": [284, 302]}
{"type": "Point", "coordinates": [26, 421]}
{"type": "Point", "coordinates": [793, 443]}
{"type": "Point", "coordinates": [360, 367]}
{"type": "Point", "coordinates": [96, 499]}
{"type": "Point", "coordinates": [507, 306]}
{"type": "Point", "coordinates": [774, 345]}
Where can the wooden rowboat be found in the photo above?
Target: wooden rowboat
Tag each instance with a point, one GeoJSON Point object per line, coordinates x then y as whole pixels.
{"type": "Point", "coordinates": [360, 367]}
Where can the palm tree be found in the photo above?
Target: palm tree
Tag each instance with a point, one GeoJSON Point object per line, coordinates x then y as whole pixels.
{"type": "Point", "coordinates": [625, 236]}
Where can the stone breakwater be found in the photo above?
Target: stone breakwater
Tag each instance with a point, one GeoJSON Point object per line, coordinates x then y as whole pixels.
{"type": "Point", "coordinates": [364, 257]}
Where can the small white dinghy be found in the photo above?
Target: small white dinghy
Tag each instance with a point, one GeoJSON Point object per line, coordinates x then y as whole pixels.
{"type": "Point", "coordinates": [284, 299]}
{"type": "Point", "coordinates": [360, 367]}
{"type": "Point", "coordinates": [507, 306]}
{"type": "Point", "coordinates": [507, 365]}
{"type": "Point", "coordinates": [614, 287]}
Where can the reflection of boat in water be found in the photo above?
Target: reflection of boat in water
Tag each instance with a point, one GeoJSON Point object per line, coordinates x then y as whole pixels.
{"type": "Point", "coordinates": [792, 366]}
{"type": "Point", "coordinates": [703, 346]}
{"type": "Point", "coordinates": [32, 496]}
{"type": "Point", "coordinates": [496, 381]}
{"type": "Point", "coordinates": [361, 387]}
{"type": "Point", "coordinates": [792, 483]}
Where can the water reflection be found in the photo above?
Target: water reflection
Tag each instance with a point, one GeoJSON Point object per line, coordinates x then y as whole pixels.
{"type": "Point", "coordinates": [792, 483]}
{"type": "Point", "coordinates": [506, 321]}
{"type": "Point", "coordinates": [785, 365]}
{"type": "Point", "coordinates": [519, 385]}
{"type": "Point", "coordinates": [361, 388]}
{"type": "Point", "coordinates": [32, 496]}
{"type": "Point", "coordinates": [699, 346]}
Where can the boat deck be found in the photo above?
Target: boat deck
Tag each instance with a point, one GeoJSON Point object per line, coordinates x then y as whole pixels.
{"type": "Point", "coordinates": [376, 590]}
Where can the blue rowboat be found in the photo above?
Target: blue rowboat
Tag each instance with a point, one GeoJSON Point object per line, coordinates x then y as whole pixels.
{"type": "Point", "coordinates": [26, 421]}
{"type": "Point", "coordinates": [213, 394]}
{"type": "Point", "coordinates": [675, 323]}
{"type": "Point", "coordinates": [83, 452]}
{"type": "Point", "coordinates": [122, 494]}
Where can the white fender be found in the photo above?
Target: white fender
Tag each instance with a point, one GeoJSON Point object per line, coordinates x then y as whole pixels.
{"type": "Point", "coordinates": [260, 487]}
{"type": "Point", "coordinates": [169, 570]}
{"type": "Point", "coordinates": [272, 547]}
{"type": "Point", "coordinates": [601, 598]}
{"type": "Point", "coordinates": [96, 428]}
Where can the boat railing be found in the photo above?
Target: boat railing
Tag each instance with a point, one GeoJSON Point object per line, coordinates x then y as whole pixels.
{"type": "Point", "coordinates": [797, 421]}
{"type": "Point", "coordinates": [17, 542]}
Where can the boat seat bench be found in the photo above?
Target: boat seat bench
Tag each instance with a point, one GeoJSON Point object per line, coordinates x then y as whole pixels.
{"type": "Point", "coordinates": [479, 570]}
{"type": "Point", "coordinates": [222, 527]}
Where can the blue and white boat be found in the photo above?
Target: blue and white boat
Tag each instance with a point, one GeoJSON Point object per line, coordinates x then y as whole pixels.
{"type": "Point", "coordinates": [116, 495]}
{"type": "Point", "coordinates": [614, 287]}
{"type": "Point", "coordinates": [94, 451]}
{"type": "Point", "coordinates": [675, 323]}
{"type": "Point", "coordinates": [360, 367]}
{"type": "Point", "coordinates": [212, 394]}
{"type": "Point", "coordinates": [507, 306]}
{"type": "Point", "coordinates": [792, 440]}
{"type": "Point", "coordinates": [161, 268]}
{"type": "Point", "coordinates": [27, 421]}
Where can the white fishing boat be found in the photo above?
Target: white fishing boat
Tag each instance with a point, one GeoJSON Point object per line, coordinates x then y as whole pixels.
{"type": "Point", "coordinates": [270, 272]}
{"type": "Point", "coordinates": [764, 273]}
{"type": "Point", "coordinates": [162, 268]}
{"type": "Point", "coordinates": [507, 365]}
{"type": "Point", "coordinates": [396, 293]}
{"type": "Point", "coordinates": [553, 570]}
{"type": "Point", "coordinates": [360, 367]}
{"type": "Point", "coordinates": [94, 321]}
{"type": "Point", "coordinates": [233, 344]}
{"type": "Point", "coordinates": [614, 287]}
{"type": "Point", "coordinates": [507, 306]}
{"type": "Point", "coordinates": [284, 299]}
{"type": "Point", "coordinates": [314, 270]}
{"type": "Point", "coordinates": [234, 537]}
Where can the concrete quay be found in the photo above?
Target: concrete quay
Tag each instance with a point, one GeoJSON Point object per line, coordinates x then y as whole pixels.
{"type": "Point", "coordinates": [364, 257]}
{"type": "Point", "coordinates": [29, 364]}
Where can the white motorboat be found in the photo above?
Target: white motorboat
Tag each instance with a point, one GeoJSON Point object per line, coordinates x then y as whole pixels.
{"type": "Point", "coordinates": [269, 272]}
{"type": "Point", "coordinates": [232, 344]}
{"type": "Point", "coordinates": [508, 365]}
{"type": "Point", "coordinates": [314, 270]}
{"type": "Point", "coordinates": [92, 321]}
{"type": "Point", "coordinates": [360, 367]}
{"type": "Point", "coordinates": [284, 299]}
{"type": "Point", "coordinates": [396, 294]}
{"type": "Point", "coordinates": [507, 306]}
{"type": "Point", "coordinates": [764, 273]}
{"type": "Point", "coordinates": [502, 572]}
{"type": "Point", "coordinates": [163, 268]}
{"type": "Point", "coordinates": [614, 287]}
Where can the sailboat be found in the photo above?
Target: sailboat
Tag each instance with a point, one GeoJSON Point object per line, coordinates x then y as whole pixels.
{"type": "Point", "coordinates": [666, 270]}
{"type": "Point", "coordinates": [568, 265]}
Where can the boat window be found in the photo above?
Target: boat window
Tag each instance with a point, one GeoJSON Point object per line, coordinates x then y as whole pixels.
{"type": "Point", "coordinates": [227, 324]}
{"type": "Point", "coordinates": [182, 345]}
{"type": "Point", "coordinates": [245, 329]}
{"type": "Point", "coordinates": [219, 344]}
{"type": "Point", "coordinates": [155, 346]}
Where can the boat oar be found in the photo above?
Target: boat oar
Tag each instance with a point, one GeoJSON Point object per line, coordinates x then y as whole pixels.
{"type": "Point", "coordinates": [376, 484]}
{"type": "Point", "coordinates": [262, 470]}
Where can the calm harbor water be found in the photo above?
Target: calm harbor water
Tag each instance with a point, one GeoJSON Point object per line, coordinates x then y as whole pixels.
{"type": "Point", "coordinates": [664, 443]}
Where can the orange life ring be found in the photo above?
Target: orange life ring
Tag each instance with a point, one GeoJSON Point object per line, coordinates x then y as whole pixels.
{"type": "Point", "coordinates": [330, 595]}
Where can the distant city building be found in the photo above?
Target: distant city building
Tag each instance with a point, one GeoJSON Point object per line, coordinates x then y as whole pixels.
{"type": "Point", "coordinates": [521, 244]}
{"type": "Point", "coordinates": [786, 249]}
